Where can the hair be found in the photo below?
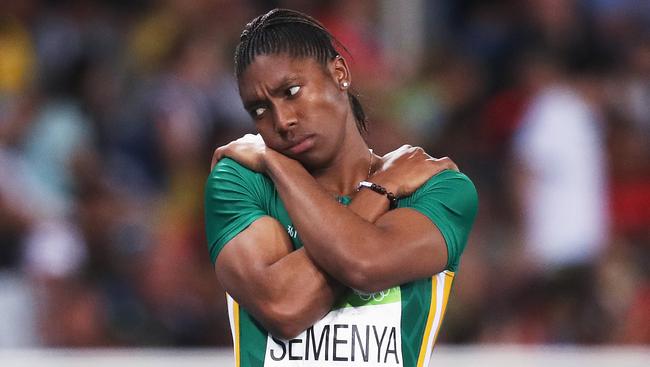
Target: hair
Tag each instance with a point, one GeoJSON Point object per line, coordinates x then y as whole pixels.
{"type": "Point", "coordinates": [296, 34]}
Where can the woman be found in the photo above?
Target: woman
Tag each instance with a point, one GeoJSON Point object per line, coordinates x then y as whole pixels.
{"type": "Point", "coordinates": [329, 253]}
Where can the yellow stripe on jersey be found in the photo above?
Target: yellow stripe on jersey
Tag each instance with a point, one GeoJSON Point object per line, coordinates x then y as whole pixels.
{"type": "Point", "coordinates": [436, 281]}
{"type": "Point", "coordinates": [233, 318]}
{"type": "Point", "coordinates": [430, 317]}
{"type": "Point", "coordinates": [235, 311]}
{"type": "Point", "coordinates": [449, 278]}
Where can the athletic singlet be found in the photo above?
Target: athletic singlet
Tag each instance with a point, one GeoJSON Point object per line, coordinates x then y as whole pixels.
{"type": "Point", "coordinates": [394, 327]}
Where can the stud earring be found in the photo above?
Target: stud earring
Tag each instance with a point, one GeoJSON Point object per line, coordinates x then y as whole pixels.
{"type": "Point", "coordinates": [345, 85]}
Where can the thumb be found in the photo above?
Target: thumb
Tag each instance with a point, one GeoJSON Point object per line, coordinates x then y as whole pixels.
{"type": "Point", "coordinates": [216, 156]}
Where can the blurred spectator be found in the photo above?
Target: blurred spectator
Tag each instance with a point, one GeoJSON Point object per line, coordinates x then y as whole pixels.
{"type": "Point", "coordinates": [560, 152]}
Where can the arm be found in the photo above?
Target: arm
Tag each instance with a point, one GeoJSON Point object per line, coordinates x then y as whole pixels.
{"type": "Point", "coordinates": [283, 289]}
{"type": "Point", "coordinates": [402, 171]}
{"type": "Point", "coordinates": [403, 244]}
{"type": "Point", "coordinates": [254, 259]}
{"type": "Point", "coordinates": [258, 268]}
{"type": "Point", "coordinates": [352, 247]}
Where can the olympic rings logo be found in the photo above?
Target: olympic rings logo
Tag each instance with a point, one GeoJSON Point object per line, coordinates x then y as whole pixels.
{"type": "Point", "coordinates": [377, 296]}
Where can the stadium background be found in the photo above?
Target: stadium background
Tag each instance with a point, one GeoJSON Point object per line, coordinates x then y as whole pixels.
{"type": "Point", "coordinates": [109, 112]}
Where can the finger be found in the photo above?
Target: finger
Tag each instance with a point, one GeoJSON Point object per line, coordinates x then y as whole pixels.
{"type": "Point", "coordinates": [418, 152]}
{"type": "Point", "coordinates": [216, 157]}
{"type": "Point", "coordinates": [405, 148]}
{"type": "Point", "coordinates": [214, 161]}
{"type": "Point", "coordinates": [450, 164]}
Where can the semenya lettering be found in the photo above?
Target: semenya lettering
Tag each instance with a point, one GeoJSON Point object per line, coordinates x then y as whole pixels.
{"type": "Point", "coordinates": [340, 343]}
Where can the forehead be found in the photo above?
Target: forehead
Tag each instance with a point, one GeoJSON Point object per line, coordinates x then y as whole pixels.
{"type": "Point", "coordinates": [269, 71]}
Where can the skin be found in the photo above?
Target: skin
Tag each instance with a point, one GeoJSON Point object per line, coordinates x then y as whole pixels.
{"type": "Point", "coordinates": [308, 144]}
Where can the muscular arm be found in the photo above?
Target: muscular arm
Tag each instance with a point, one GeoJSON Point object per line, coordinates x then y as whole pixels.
{"type": "Point", "coordinates": [403, 244]}
{"type": "Point", "coordinates": [283, 289]}
{"type": "Point", "coordinates": [287, 291]}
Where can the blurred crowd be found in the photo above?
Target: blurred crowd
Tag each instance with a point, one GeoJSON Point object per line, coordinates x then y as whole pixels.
{"type": "Point", "coordinates": [110, 111]}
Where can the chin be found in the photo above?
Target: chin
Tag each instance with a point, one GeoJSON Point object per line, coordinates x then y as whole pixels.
{"type": "Point", "coordinates": [315, 162]}
{"type": "Point", "coordinates": [310, 163]}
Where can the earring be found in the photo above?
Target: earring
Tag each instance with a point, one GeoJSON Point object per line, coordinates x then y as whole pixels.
{"type": "Point", "coordinates": [345, 85]}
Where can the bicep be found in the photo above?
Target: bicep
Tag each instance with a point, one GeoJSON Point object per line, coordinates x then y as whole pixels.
{"type": "Point", "coordinates": [243, 262]}
{"type": "Point", "coordinates": [282, 288]}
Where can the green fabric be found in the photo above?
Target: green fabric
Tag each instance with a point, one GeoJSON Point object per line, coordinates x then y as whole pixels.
{"type": "Point", "coordinates": [449, 199]}
{"type": "Point", "coordinates": [252, 336]}
{"type": "Point", "coordinates": [235, 197]}
{"type": "Point", "coordinates": [416, 298]}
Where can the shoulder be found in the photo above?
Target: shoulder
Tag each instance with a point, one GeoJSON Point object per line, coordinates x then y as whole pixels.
{"type": "Point", "coordinates": [228, 171]}
{"type": "Point", "coordinates": [450, 176]}
{"type": "Point", "coordinates": [227, 167]}
{"type": "Point", "coordinates": [449, 190]}
{"type": "Point", "coordinates": [449, 182]}
{"type": "Point", "coordinates": [230, 177]}
{"type": "Point", "coordinates": [235, 197]}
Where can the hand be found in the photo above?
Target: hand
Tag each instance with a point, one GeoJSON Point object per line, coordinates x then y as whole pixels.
{"type": "Point", "coordinates": [249, 151]}
{"type": "Point", "coordinates": [406, 169]}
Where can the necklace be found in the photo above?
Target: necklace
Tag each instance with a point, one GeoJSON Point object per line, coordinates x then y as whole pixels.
{"type": "Point", "coordinates": [370, 165]}
{"type": "Point", "coordinates": [342, 198]}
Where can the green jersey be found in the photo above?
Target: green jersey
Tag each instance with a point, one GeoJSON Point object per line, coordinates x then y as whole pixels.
{"type": "Point", "coordinates": [394, 327]}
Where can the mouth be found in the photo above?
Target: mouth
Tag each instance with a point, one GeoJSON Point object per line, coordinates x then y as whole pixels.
{"type": "Point", "coordinates": [302, 145]}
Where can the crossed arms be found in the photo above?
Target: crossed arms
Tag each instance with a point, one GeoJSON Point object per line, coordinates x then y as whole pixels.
{"type": "Point", "coordinates": [363, 246]}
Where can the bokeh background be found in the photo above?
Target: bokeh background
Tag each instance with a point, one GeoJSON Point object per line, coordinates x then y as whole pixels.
{"type": "Point", "coordinates": [110, 111]}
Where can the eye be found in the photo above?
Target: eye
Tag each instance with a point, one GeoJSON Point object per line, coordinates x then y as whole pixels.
{"type": "Point", "coordinates": [292, 91]}
{"type": "Point", "coordinates": [258, 111]}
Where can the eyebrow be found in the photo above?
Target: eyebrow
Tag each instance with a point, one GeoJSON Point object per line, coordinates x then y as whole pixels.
{"type": "Point", "coordinates": [279, 88]}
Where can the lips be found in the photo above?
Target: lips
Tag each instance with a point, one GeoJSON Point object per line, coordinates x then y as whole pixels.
{"type": "Point", "coordinates": [302, 145]}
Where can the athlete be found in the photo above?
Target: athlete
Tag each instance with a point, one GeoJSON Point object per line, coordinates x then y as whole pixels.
{"type": "Point", "coordinates": [330, 255]}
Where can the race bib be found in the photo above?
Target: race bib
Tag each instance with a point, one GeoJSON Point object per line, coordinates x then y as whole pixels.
{"type": "Point", "coordinates": [363, 331]}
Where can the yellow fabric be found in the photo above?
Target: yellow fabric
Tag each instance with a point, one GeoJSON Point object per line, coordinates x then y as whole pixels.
{"type": "Point", "coordinates": [235, 311]}
{"type": "Point", "coordinates": [448, 280]}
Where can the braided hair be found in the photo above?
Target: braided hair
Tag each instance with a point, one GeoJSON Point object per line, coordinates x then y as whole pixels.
{"type": "Point", "coordinates": [296, 34]}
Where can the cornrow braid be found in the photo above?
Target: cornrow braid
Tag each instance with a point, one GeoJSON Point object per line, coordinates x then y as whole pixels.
{"type": "Point", "coordinates": [296, 34]}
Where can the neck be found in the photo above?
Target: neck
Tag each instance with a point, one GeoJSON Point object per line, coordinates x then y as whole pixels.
{"type": "Point", "coordinates": [350, 166]}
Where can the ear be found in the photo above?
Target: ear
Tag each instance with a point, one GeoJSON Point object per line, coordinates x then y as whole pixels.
{"type": "Point", "coordinates": [341, 72]}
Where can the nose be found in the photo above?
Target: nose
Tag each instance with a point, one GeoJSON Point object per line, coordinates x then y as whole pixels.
{"type": "Point", "coordinates": [284, 117]}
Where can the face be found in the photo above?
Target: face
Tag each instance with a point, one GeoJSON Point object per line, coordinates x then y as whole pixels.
{"type": "Point", "coordinates": [298, 106]}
